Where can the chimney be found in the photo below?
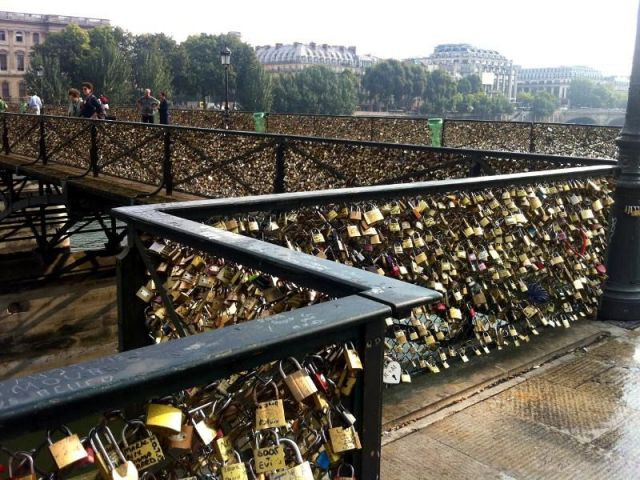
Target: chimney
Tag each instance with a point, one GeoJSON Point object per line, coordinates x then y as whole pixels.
{"type": "Point", "coordinates": [278, 45]}
{"type": "Point", "coordinates": [352, 50]}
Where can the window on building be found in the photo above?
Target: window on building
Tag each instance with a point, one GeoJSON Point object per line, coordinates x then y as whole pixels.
{"type": "Point", "coordinates": [36, 39]}
{"type": "Point", "coordinates": [3, 62]}
{"type": "Point", "coordinates": [20, 61]}
{"type": "Point", "coordinates": [5, 90]}
{"type": "Point", "coordinates": [3, 36]}
{"type": "Point", "coordinates": [22, 87]}
{"type": "Point", "coordinates": [19, 37]}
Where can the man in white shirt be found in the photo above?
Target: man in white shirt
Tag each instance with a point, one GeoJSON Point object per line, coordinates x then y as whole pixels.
{"type": "Point", "coordinates": [35, 104]}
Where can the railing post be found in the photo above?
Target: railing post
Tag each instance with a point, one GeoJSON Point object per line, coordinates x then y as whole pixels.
{"type": "Point", "coordinates": [43, 143]}
{"type": "Point", "coordinates": [94, 150]}
{"type": "Point", "coordinates": [5, 136]}
{"type": "Point", "coordinates": [130, 268]}
{"type": "Point", "coordinates": [278, 183]}
{"type": "Point", "coordinates": [167, 170]}
{"type": "Point", "coordinates": [621, 298]}
{"type": "Point", "coordinates": [532, 138]}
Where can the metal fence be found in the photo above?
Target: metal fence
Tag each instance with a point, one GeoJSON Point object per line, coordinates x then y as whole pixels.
{"type": "Point", "coordinates": [511, 254]}
{"type": "Point", "coordinates": [224, 163]}
{"type": "Point", "coordinates": [226, 365]}
{"type": "Point", "coordinates": [532, 137]}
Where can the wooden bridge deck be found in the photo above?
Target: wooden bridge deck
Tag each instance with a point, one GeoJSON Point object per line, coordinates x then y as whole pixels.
{"type": "Point", "coordinates": [117, 190]}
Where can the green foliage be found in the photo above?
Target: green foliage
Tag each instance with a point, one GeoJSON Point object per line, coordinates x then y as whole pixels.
{"type": "Point", "coordinates": [543, 105]}
{"type": "Point", "coordinates": [317, 90]}
{"type": "Point", "coordinates": [586, 93]}
{"type": "Point", "coordinates": [525, 99]}
{"type": "Point", "coordinates": [470, 84]}
{"type": "Point", "coordinates": [439, 92]}
{"type": "Point", "coordinates": [47, 79]}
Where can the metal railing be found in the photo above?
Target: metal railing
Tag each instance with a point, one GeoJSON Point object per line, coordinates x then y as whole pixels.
{"type": "Point", "coordinates": [531, 137]}
{"type": "Point", "coordinates": [510, 253]}
{"type": "Point", "coordinates": [223, 163]}
{"type": "Point", "coordinates": [354, 310]}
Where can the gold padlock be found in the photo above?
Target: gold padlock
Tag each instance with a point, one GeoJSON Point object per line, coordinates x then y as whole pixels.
{"type": "Point", "coordinates": [234, 471]}
{"type": "Point", "coordinates": [164, 417]}
{"type": "Point", "coordinates": [299, 382]}
{"type": "Point", "coordinates": [67, 451]}
{"type": "Point", "coordinates": [302, 469]}
{"type": "Point", "coordinates": [269, 414]}
{"type": "Point", "coordinates": [146, 452]}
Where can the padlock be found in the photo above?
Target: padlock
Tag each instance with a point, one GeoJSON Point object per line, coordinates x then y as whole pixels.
{"type": "Point", "coordinates": [343, 439]}
{"type": "Point", "coordinates": [268, 459]}
{"type": "Point", "coordinates": [352, 358]}
{"type": "Point", "coordinates": [182, 441]}
{"type": "Point", "coordinates": [342, 476]}
{"type": "Point", "coordinates": [146, 452]}
{"type": "Point", "coordinates": [31, 475]}
{"type": "Point", "coordinates": [269, 414]}
{"type": "Point", "coordinates": [234, 471]}
{"type": "Point", "coordinates": [126, 470]}
{"type": "Point", "coordinates": [67, 451]}
{"type": "Point", "coordinates": [204, 431]}
{"type": "Point", "coordinates": [165, 418]}
{"type": "Point", "coordinates": [299, 382]}
{"type": "Point", "coordinates": [302, 469]}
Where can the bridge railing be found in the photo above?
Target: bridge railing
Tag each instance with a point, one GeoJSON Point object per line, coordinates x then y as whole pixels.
{"type": "Point", "coordinates": [227, 163]}
{"type": "Point", "coordinates": [512, 255]}
{"type": "Point", "coordinates": [532, 137]}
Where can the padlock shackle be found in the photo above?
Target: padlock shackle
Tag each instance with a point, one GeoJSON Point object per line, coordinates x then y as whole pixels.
{"type": "Point", "coordinates": [61, 428]}
{"type": "Point", "coordinates": [26, 456]}
{"type": "Point", "coordinates": [351, 470]}
{"type": "Point", "coordinates": [254, 392]}
{"type": "Point", "coordinates": [290, 359]}
{"type": "Point", "coordinates": [295, 447]}
{"type": "Point", "coordinates": [130, 423]}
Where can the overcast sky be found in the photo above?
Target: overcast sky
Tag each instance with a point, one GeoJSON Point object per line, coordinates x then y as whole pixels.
{"type": "Point", "coordinates": [534, 33]}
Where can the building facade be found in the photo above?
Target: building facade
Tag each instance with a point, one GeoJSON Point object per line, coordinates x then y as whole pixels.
{"type": "Point", "coordinates": [555, 80]}
{"type": "Point", "coordinates": [19, 33]}
{"type": "Point", "coordinates": [283, 58]}
{"type": "Point", "coordinates": [498, 74]}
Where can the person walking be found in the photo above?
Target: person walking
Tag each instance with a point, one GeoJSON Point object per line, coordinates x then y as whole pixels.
{"type": "Point", "coordinates": [147, 104]}
{"type": "Point", "coordinates": [91, 108]}
{"type": "Point", "coordinates": [75, 103]}
{"type": "Point", "coordinates": [163, 109]}
{"type": "Point", "coordinates": [3, 105]}
{"type": "Point", "coordinates": [35, 104]}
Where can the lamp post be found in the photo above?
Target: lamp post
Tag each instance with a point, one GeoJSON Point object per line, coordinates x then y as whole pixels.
{"type": "Point", "coordinates": [621, 298]}
{"type": "Point", "coordinates": [225, 58]}
{"type": "Point", "coordinates": [40, 75]}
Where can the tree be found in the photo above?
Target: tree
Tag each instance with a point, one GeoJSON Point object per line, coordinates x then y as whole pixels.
{"type": "Point", "coordinates": [108, 64]}
{"type": "Point", "coordinates": [525, 99]}
{"type": "Point", "coordinates": [470, 84]}
{"type": "Point", "coordinates": [47, 79]}
{"type": "Point", "coordinates": [317, 90]}
{"type": "Point", "coordinates": [586, 93]}
{"type": "Point", "coordinates": [439, 92]}
{"type": "Point", "coordinates": [544, 104]}
{"type": "Point", "coordinates": [153, 72]}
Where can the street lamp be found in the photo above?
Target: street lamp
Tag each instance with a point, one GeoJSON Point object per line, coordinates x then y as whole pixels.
{"type": "Point", "coordinates": [225, 59]}
{"type": "Point", "coordinates": [40, 75]}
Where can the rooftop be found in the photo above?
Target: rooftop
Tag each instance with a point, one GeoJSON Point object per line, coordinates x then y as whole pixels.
{"type": "Point", "coordinates": [52, 19]}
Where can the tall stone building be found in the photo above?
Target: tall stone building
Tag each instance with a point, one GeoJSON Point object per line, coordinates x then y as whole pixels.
{"type": "Point", "coordinates": [282, 58]}
{"type": "Point", "coordinates": [19, 32]}
{"type": "Point", "coordinates": [498, 74]}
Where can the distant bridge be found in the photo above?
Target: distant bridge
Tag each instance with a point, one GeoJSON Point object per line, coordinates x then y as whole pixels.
{"type": "Point", "coordinates": [591, 116]}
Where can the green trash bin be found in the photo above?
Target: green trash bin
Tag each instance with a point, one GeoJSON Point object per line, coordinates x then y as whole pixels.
{"type": "Point", "coordinates": [259, 122]}
{"type": "Point", "coordinates": [435, 125]}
